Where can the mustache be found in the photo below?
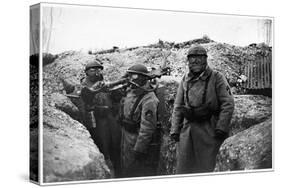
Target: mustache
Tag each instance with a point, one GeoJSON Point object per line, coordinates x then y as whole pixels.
{"type": "Point", "coordinates": [196, 66]}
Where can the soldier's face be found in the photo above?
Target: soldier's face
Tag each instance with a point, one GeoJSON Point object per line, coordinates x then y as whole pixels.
{"type": "Point", "coordinates": [197, 63]}
{"type": "Point", "coordinates": [95, 74]}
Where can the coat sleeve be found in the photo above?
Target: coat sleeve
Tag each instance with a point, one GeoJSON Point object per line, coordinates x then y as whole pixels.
{"type": "Point", "coordinates": [226, 103]}
{"type": "Point", "coordinates": [68, 86]}
{"type": "Point", "coordinates": [177, 116]}
{"type": "Point", "coordinates": [147, 125]}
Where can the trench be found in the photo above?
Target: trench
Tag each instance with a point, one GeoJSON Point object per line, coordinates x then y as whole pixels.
{"type": "Point", "coordinates": [167, 154]}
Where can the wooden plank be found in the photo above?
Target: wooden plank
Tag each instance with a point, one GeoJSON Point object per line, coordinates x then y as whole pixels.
{"type": "Point", "coordinates": [255, 74]}
{"type": "Point", "coordinates": [247, 74]}
{"type": "Point", "coordinates": [244, 73]}
{"type": "Point", "coordinates": [262, 73]}
{"type": "Point", "coordinates": [250, 74]}
{"type": "Point", "coordinates": [267, 74]}
{"type": "Point", "coordinates": [270, 71]}
{"type": "Point", "coordinates": [258, 72]}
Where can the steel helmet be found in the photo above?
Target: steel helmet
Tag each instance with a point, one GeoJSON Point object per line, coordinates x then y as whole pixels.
{"type": "Point", "coordinates": [197, 50]}
{"type": "Point", "coordinates": [138, 69]}
{"type": "Point", "coordinates": [93, 64]}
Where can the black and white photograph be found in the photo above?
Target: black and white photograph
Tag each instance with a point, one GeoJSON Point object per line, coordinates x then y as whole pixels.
{"type": "Point", "coordinates": [131, 93]}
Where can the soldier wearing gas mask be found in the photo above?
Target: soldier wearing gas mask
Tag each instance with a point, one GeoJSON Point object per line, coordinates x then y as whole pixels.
{"type": "Point", "coordinates": [138, 119]}
{"type": "Point", "coordinates": [201, 116]}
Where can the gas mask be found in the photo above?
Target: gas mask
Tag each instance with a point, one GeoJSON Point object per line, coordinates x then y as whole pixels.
{"type": "Point", "coordinates": [137, 80]}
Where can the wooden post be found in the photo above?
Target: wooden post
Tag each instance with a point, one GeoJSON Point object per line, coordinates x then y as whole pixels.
{"type": "Point", "coordinates": [252, 75]}
{"type": "Point", "coordinates": [247, 74]}
{"type": "Point", "coordinates": [262, 73]}
{"type": "Point", "coordinates": [270, 70]}
{"type": "Point", "coordinates": [267, 73]}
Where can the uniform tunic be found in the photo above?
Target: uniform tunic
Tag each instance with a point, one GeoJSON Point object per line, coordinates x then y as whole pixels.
{"type": "Point", "coordinates": [145, 114]}
{"type": "Point", "coordinates": [198, 146]}
{"type": "Point", "coordinates": [103, 127]}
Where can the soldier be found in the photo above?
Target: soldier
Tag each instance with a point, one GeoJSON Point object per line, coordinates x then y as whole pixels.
{"type": "Point", "coordinates": [201, 116]}
{"type": "Point", "coordinates": [106, 133]}
{"type": "Point", "coordinates": [97, 116]}
{"type": "Point", "coordinates": [94, 77]}
{"type": "Point", "coordinates": [138, 118]}
{"type": "Point", "coordinates": [86, 105]}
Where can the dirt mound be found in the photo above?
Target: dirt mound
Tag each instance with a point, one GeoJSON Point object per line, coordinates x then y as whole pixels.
{"type": "Point", "coordinates": [247, 150]}
{"type": "Point", "coordinates": [69, 154]}
{"type": "Point", "coordinates": [249, 110]}
{"type": "Point", "coordinates": [226, 58]}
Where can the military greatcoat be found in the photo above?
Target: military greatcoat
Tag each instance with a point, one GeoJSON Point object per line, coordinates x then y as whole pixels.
{"type": "Point", "coordinates": [137, 136]}
{"type": "Point", "coordinates": [198, 146]}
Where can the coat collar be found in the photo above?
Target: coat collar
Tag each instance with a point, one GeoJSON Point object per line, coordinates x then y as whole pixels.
{"type": "Point", "coordinates": [87, 82]}
{"type": "Point", "coordinates": [203, 76]}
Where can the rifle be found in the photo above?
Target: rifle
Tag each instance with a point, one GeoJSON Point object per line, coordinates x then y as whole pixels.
{"type": "Point", "coordinates": [103, 87]}
{"type": "Point", "coordinates": [124, 82]}
{"type": "Point", "coordinates": [82, 97]}
{"type": "Point", "coordinates": [163, 70]}
{"type": "Point", "coordinates": [157, 73]}
{"type": "Point", "coordinates": [87, 93]}
{"type": "Point", "coordinates": [90, 92]}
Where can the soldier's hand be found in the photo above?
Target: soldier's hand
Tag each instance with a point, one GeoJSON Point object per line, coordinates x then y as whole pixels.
{"type": "Point", "coordinates": [187, 112]}
{"type": "Point", "coordinates": [125, 75]}
{"type": "Point", "coordinates": [175, 137]}
{"type": "Point", "coordinates": [221, 135]}
{"type": "Point", "coordinates": [97, 86]}
{"type": "Point", "coordinates": [139, 155]}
